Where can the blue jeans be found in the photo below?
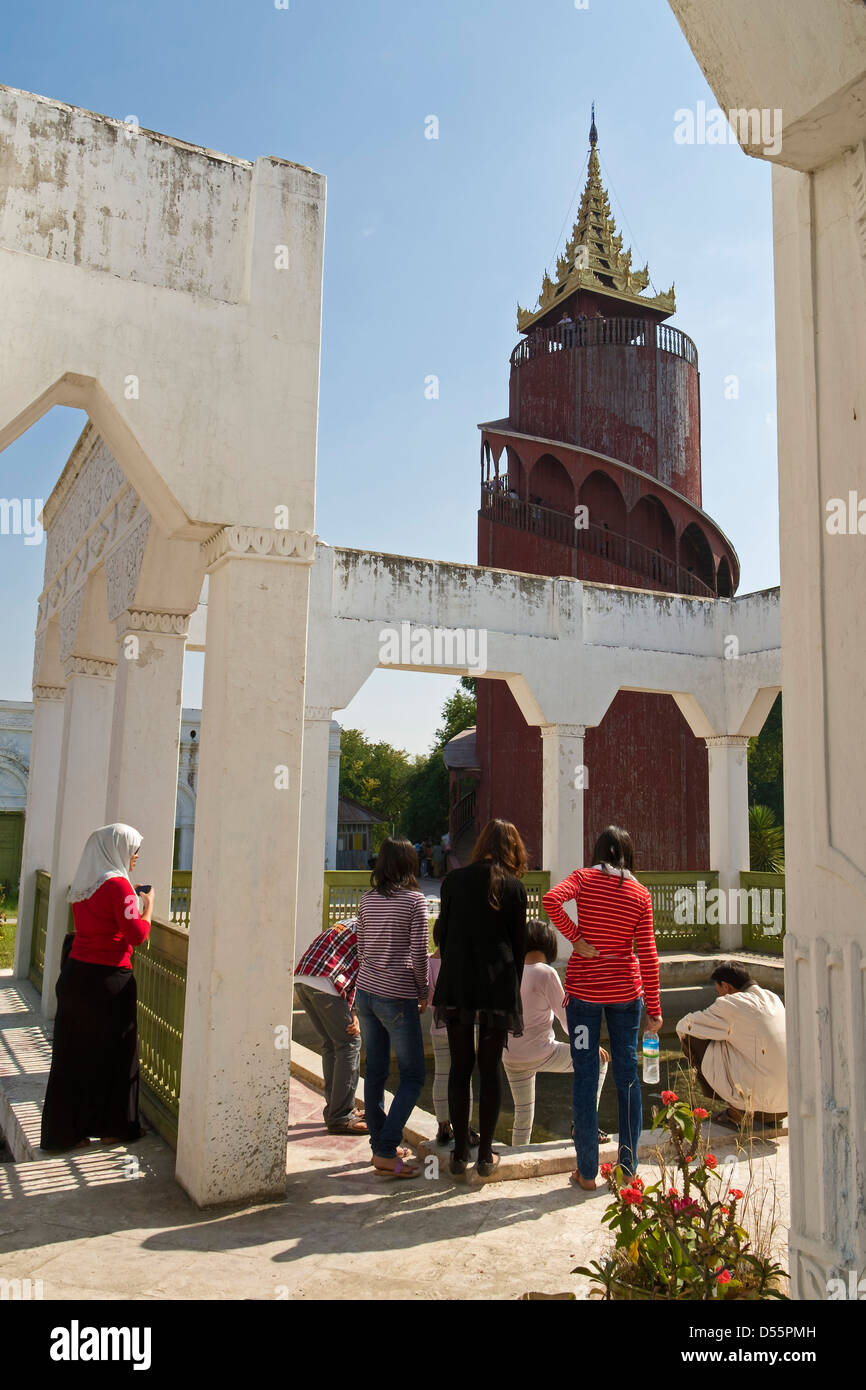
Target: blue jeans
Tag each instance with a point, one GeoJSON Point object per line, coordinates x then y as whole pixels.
{"type": "Point", "coordinates": [386, 1024]}
{"type": "Point", "coordinates": [623, 1026]}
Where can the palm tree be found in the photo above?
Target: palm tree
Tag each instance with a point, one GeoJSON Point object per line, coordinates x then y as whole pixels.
{"type": "Point", "coordinates": [766, 841]}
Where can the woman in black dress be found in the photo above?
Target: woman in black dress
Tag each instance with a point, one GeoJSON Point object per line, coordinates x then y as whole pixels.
{"type": "Point", "coordinates": [482, 943]}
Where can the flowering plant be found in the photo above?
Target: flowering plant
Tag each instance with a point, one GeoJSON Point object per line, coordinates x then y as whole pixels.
{"type": "Point", "coordinates": [681, 1238]}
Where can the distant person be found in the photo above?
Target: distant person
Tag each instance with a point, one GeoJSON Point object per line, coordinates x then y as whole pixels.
{"type": "Point", "coordinates": [93, 1083]}
{"type": "Point", "coordinates": [391, 993]}
{"type": "Point", "coordinates": [538, 1049]}
{"type": "Point", "coordinates": [438, 860]}
{"type": "Point", "coordinates": [738, 1046]}
{"type": "Point", "coordinates": [451, 860]}
{"type": "Point", "coordinates": [603, 976]}
{"type": "Point", "coordinates": [325, 985]}
{"type": "Point", "coordinates": [482, 942]}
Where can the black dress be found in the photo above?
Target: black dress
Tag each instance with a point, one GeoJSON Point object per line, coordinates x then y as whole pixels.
{"type": "Point", "coordinates": [482, 950]}
{"type": "Point", "coordinates": [93, 1083]}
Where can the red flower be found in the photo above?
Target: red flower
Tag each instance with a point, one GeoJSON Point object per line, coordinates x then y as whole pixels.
{"type": "Point", "coordinates": [724, 1277]}
{"type": "Point", "coordinates": [701, 1114]}
{"type": "Point", "coordinates": [672, 1192]}
{"type": "Point", "coordinates": [684, 1206]}
{"type": "Point", "coordinates": [606, 1169]}
{"type": "Point", "coordinates": [710, 1161]}
{"type": "Point", "coordinates": [668, 1097]}
{"type": "Point", "coordinates": [724, 1210]}
{"type": "Point", "coordinates": [631, 1196]}
{"type": "Point", "coordinates": [638, 1183]}
{"type": "Point", "coordinates": [736, 1194]}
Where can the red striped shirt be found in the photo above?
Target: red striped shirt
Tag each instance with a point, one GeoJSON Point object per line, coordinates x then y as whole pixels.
{"type": "Point", "coordinates": [616, 916]}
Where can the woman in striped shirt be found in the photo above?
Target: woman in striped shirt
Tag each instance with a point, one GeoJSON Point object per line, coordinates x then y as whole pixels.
{"type": "Point", "coordinates": [390, 995]}
{"type": "Point", "coordinates": [614, 918]}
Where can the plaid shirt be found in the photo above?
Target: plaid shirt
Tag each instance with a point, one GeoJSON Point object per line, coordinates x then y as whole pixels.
{"type": "Point", "coordinates": [334, 956]}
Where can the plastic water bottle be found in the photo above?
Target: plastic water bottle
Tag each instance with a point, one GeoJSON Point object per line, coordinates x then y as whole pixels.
{"type": "Point", "coordinates": [651, 1057]}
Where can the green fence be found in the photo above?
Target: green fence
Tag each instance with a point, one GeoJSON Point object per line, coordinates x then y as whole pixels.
{"type": "Point", "coordinates": [181, 894]}
{"type": "Point", "coordinates": [762, 912]}
{"type": "Point", "coordinates": [344, 889]}
{"type": "Point", "coordinates": [677, 907]}
{"type": "Point", "coordinates": [160, 965]}
{"type": "Point", "coordinates": [40, 929]}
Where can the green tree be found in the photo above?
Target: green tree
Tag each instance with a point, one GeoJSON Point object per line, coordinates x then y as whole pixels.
{"type": "Point", "coordinates": [766, 841]}
{"type": "Point", "coordinates": [375, 774]}
{"type": "Point", "coordinates": [765, 765]}
{"type": "Point", "coordinates": [427, 810]}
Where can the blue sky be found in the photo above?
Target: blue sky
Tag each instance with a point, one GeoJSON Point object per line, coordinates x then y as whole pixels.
{"type": "Point", "coordinates": [430, 243]}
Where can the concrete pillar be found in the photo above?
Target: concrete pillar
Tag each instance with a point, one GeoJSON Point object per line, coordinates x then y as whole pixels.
{"type": "Point", "coordinates": [314, 805]}
{"type": "Point", "coordinates": [42, 783]}
{"type": "Point", "coordinates": [145, 739]}
{"type": "Point", "coordinates": [186, 848]}
{"type": "Point", "coordinates": [331, 815]}
{"type": "Point", "coordinates": [563, 782]}
{"type": "Point", "coordinates": [235, 1076]}
{"type": "Point", "coordinates": [729, 822]}
{"type": "Point", "coordinates": [81, 784]}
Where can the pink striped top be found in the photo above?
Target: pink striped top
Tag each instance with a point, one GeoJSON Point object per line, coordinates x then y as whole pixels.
{"type": "Point", "coordinates": [392, 944]}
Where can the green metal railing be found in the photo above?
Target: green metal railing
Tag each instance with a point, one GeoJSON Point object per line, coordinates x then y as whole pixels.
{"type": "Point", "coordinates": [344, 889]}
{"type": "Point", "coordinates": [672, 932]}
{"type": "Point", "coordinates": [160, 966]}
{"type": "Point", "coordinates": [181, 894]}
{"type": "Point", "coordinates": [762, 912]}
{"type": "Point", "coordinates": [40, 929]}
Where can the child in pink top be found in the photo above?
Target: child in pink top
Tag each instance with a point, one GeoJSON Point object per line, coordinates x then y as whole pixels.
{"type": "Point", "coordinates": [538, 1049]}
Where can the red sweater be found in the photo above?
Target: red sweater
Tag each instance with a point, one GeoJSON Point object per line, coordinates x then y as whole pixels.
{"type": "Point", "coordinates": [108, 925]}
{"type": "Point", "coordinates": [614, 915]}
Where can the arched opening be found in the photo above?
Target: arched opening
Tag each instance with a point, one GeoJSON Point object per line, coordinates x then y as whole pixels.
{"type": "Point", "coordinates": [550, 485]}
{"type": "Point", "coordinates": [724, 582]}
{"type": "Point", "coordinates": [650, 524]}
{"type": "Point", "coordinates": [516, 474]}
{"type": "Point", "coordinates": [696, 557]}
{"type": "Point", "coordinates": [605, 503]}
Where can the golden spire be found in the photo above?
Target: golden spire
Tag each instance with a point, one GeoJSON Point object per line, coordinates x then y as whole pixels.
{"type": "Point", "coordinates": [593, 258]}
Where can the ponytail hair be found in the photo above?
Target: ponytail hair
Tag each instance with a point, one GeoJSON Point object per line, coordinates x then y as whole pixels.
{"type": "Point", "coordinates": [614, 847]}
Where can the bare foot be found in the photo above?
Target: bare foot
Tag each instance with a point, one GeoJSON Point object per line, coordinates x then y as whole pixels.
{"type": "Point", "coordinates": [588, 1184]}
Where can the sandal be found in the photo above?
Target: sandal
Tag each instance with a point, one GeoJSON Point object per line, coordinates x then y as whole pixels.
{"type": "Point", "coordinates": [354, 1126]}
{"type": "Point", "coordinates": [402, 1152]}
{"type": "Point", "coordinates": [726, 1120]}
{"type": "Point", "coordinates": [474, 1138]}
{"type": "Point", "coordinates": [603, 1138]}
{"type": "Point", "coordinates": [588, 1184]}
{"type": "Point", "coordinates": [458, 1166]}
{"type": "Point", "coordinates": [486, 1167]}
{"type": "Point", "coordinates": [401, 1169]}
{"type": "Point", "coordinates": [444, 1134]}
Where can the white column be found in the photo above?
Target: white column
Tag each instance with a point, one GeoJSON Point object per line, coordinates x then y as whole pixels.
{"type": "Point", "coordinates": [186, 848]}
{"type": "Point", "coordinates": [81, 786]}
{"type": "Point", "coordinates": [145, 739]}
{"type": "Point", "coordinates": [314, 803]}
{"type": "Point", "coordinates": [563, 783]}
{"type": "Point", "coordinates": [729, 821]}
{"type": "Point", "coordinates": [331, 814]}
{"type": "Point", "coordinates": [41, 809]}
{"type": "Point", "coordinates": [235, 1078]}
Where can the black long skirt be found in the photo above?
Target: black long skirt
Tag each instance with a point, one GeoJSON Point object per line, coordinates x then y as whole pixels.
{"type": "Point", "coordinates": [93, 1083]}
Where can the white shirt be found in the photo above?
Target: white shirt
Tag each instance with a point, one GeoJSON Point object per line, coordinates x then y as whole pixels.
{"type": "Point", "coordinates": [745, 1062]}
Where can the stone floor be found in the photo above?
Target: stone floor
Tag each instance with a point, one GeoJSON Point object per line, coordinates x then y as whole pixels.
{"type": "Point", "coordinates": [113, 1224]}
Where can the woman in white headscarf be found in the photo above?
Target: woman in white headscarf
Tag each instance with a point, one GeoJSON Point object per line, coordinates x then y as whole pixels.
{"type": "Point", "coordinates": [93, 1084]}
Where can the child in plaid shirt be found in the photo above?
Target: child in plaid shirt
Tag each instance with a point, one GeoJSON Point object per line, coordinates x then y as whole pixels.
{"type": "Point", "coordinates": [325, 985]}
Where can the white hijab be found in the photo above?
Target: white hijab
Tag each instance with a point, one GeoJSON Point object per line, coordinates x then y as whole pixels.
{"type": "Point", "coordinates": [106, 855]}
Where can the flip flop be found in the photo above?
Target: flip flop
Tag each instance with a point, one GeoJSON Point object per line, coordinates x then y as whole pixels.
{"type": "Point", "coordinates": [585, 1184]}
{"type": "Point", "coordinates": [400, 1170]}
{"type": "Point", "coordinates": [402, 1152]}
{"type": "Point", "coordinates": [353, 1127]}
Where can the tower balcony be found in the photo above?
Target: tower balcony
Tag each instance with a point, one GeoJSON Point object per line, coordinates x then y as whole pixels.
{"type": "Point", "coordinates": [605, 332]}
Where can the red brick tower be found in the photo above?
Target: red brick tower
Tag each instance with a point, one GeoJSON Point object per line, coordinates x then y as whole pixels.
{"type": "Point", "coordinates": [596, 473]}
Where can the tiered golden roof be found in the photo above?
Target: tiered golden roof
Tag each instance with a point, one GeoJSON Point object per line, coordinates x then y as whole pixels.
{"type": "Point", "coordinates": [593, 258]}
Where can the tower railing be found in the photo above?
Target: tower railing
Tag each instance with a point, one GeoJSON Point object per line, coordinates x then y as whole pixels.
{"type": "Point", "coordinates": [600, 332]}
{"type": "Point", "coordinates": [642, 560]}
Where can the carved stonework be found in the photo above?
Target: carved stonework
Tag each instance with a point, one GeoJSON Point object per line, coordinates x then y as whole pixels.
{"type": "Point", "coordinates": [563, 730]}
{"type": "Point", "coordinates": [740, 741]}
{"type": "Point", "coordinates": [254, 543]}
{"type": "Point", "coordinates": [90, 511]}
{"type": "Point", "coordinates": [49, 692]}
{"type": "Point", "coordinates": [135, 620]}
{"type": "Point", "coordinates": [122, 568]}
{"type": "Point", "coordinates": [88, 666]}
{"type": "Point", "coordinates": [70, 616]}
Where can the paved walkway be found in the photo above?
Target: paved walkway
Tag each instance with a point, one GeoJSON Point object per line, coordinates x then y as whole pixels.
{"type": "Point", "coordinates": [113, 1224]}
